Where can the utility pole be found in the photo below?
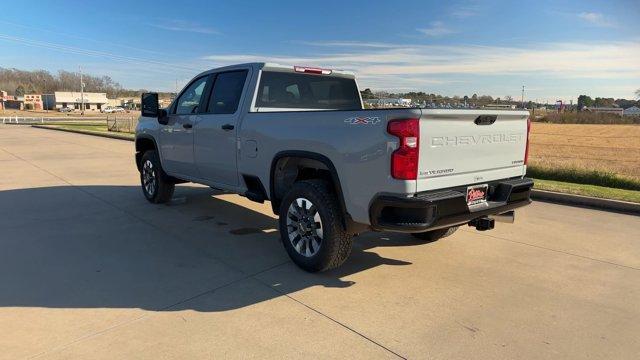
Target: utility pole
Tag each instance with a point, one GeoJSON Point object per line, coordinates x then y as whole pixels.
{"type": "Point", "coordinates": [523, 96]}
{"type": "Point", "coordinates": [45, 104]}
{"type": "Point", "coordinates": [81, 93]}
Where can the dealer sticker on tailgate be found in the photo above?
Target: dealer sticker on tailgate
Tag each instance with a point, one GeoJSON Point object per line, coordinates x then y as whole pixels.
{"type": "Point", "coordinates": [477, 194]}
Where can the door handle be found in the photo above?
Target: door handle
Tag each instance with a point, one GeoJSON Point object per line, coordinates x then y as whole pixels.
{"type": "Point", "coordinates": [227, 127]}
{"type": "Point", "coordinates": [187, 126]}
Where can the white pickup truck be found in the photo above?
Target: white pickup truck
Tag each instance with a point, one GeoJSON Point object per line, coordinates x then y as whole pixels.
{"type": "Point", "coordinates": [300, 138]}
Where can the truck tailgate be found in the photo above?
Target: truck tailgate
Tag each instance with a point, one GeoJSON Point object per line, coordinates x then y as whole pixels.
{"type": "Point", "coordinates": [461, 147]}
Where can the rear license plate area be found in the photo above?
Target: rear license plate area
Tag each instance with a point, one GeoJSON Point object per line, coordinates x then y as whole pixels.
{"type": "Point", "coordinates": [477, 194]}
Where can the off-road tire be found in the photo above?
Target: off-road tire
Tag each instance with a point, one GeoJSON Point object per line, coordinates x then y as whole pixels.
{"type": "Point", "coordinates": [164, 187]}
{"type": "Point", "coordinates": [336, 243]}
{"type": "Point", "coordinates": [431, 236]}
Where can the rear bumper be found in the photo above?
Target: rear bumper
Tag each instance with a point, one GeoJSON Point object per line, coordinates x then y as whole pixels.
{"type": "Point", "coordinates": [443, 208]}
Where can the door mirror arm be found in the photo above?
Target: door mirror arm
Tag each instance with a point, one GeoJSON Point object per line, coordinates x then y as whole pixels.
{"type": "Point", "coordinates": [163, 117]}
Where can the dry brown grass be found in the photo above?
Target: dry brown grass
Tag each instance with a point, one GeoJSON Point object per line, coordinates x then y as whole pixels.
{"type": "Point", "coordinates": [610, 148]}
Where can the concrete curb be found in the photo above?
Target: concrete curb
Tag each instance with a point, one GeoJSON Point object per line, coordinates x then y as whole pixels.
{"type": "Point", "coordinates": [592, 202]}
{"type": "Point", "coordinates": [87, 132]}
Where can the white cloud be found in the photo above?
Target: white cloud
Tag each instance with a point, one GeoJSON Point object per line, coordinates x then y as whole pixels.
{"type": "Point", "coordinates": [465, 10]}
{"type": "Point", "coordinates": [386, 67]}
{"type": "Point", "coordinates": [596, 19]}
{"type": "Point", "coordinates": [186, 26]}
{"type": "Point", "coordinates": [435, 29]}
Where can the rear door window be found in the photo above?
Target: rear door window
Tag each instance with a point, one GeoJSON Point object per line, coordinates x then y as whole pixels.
{"type": "Point", "coordinates": [306, 91]}
{"type": "Point", "coordinates": [226, 93]}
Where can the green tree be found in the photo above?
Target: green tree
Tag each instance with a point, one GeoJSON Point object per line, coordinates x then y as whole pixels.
{"type": "Point", "coordinates": [19, 91]}
{"type": "Point", "coordinates": [584, 100]}
{"type": "Point", "coordinates": [367, 94]}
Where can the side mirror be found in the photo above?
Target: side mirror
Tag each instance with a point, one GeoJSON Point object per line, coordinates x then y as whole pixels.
{"type": "Point", "coordinates": [150, 108]}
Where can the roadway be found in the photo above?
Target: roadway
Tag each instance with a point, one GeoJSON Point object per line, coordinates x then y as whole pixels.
{"type": "Point", "coordinates": [89, 269]}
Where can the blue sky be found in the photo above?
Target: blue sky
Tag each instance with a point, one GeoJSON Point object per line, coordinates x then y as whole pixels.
{"type": "Point", "coordinates": [557, 49]}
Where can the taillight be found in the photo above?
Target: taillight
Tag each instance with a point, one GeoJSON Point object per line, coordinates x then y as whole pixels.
{"type": "Point", "coordinates": [311, 70]}
{"type": "Point", "coordinates": [526, 151]}
{"type": "Point", "coordinates": [404, 160]}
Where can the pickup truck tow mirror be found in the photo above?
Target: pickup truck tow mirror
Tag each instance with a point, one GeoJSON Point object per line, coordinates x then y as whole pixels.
{"type": "Point", "coordinates": [151, 108]}
{"type": "Point", "coordinates": [150, 105]}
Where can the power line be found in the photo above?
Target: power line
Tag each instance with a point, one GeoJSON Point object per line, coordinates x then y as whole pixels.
{"type": "Point", "coordinates": [93, 53]}
{"type": "Point", "coordinates": [73, 36]}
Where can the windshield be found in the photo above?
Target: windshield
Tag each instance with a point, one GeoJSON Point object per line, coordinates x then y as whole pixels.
{"type": "Point", "coordinates": [305, 91]}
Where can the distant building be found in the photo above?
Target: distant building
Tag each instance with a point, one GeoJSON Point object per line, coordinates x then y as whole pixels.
{"type": "Point", "coordinates": [33, 102]}
{"type": "Point", "coordinates": [605, 110]}
{"type": "Point", "coordinates": [126, 103]}
{"type": "Point", "coordinates": [72, 99]}
{"type": "Point", "coordinates": [10, 102]}
{"type": "Point", "coordinates": [3, 94]}
{"type": "Point", "coordinates": [632, 111]}
{"type": "Point", "coordinates": [48, 101]}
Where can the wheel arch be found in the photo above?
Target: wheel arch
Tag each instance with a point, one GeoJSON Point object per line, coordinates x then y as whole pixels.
{"type": "Point", "coordinates": [303, 160]}
{"type": "Point", "coordinates": [144, 143]}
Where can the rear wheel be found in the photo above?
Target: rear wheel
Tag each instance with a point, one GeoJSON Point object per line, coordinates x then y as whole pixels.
{"type": "Point", "coordinates": [311, 227]}
{"type": "Point", "coordinates": [155, 184]}
{"type": "Point", "coordinates": [435, 235]}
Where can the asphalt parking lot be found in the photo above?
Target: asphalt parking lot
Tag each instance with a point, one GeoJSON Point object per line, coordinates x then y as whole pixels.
{"type": "Point", "coordinates": [89, 269]}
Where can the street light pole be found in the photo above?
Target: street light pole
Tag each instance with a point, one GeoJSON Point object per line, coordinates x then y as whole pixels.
{"type": "Point", "coordinates": [523, 96]}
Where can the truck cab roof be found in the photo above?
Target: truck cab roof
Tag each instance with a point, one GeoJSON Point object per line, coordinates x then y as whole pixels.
{"type": "Point", "coordinates": [278, 67]}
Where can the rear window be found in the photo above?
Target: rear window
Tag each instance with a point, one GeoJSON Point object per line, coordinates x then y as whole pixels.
{"type": "Point", "coordinates": [306, 91]}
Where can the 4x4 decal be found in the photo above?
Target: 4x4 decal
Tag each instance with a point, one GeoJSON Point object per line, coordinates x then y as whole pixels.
{"type": "Point", "coordinates": [363, 120]}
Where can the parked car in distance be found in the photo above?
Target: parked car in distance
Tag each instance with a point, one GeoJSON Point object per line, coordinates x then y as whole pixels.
{"type": "Point", "coordinates": [112, 109]}
{"type": "Point", "coordinates": [300, 138]}
{"type": "Point", "coordinates": [66, 109]}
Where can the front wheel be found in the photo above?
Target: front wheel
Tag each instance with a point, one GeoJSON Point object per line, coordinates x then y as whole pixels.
{"type": "Point", "coordinates": [155, 185]}
{"type": "Point", "coordinates": [435, 235]}
{"type": "Point", "coordinates": [311, 227]}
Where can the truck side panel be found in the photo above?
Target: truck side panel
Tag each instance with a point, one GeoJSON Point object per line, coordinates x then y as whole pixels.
{"type": "Point", "coordinates": [356, 142]}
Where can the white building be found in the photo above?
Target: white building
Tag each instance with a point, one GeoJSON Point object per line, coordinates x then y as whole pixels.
{"type": "Point", "coordinates": [92, 101]}
{"type": "Point", "coordinates": [632, 111]}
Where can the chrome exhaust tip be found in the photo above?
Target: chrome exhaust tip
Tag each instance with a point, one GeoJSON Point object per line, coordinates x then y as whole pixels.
{"type": "Point", "coordinates": [506, 217]}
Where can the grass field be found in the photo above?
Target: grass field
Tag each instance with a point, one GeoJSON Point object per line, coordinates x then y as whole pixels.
{"type": "Point", "coordinates": [97, 127]}
{"type": "Point", "coordinates": [588, 190]}
{"type": "Point", "coordinates": [605, 148]}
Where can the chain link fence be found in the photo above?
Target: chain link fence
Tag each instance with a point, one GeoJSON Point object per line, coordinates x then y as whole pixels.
{"type": "Point", "coordinates": [122, 123]}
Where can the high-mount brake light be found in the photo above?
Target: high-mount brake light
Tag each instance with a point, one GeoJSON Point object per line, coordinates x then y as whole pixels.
{"type": "Point", "coordinates": [311, 70]}
{"type": "Point", "coordinates": [404, 160]}
{"type": "Point", "coordinates": [526, 151]}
